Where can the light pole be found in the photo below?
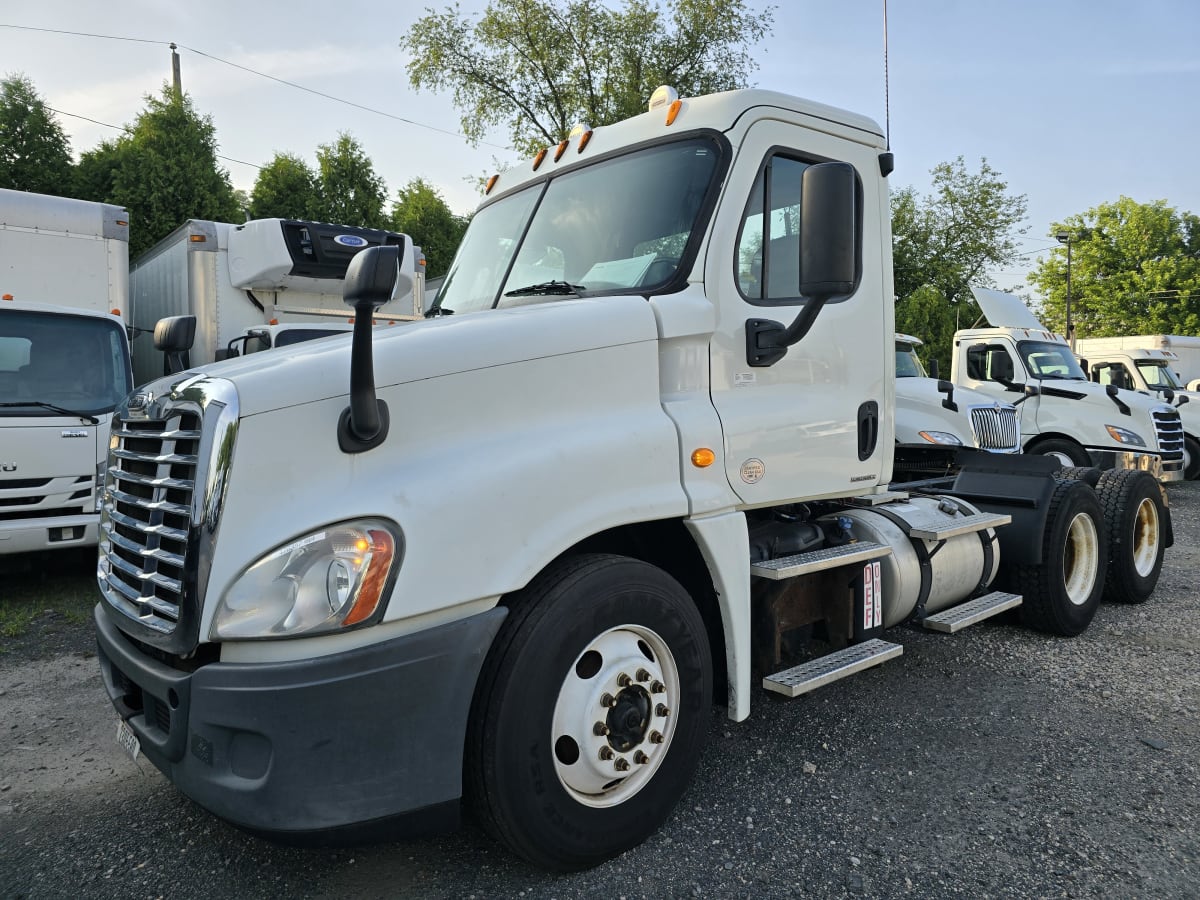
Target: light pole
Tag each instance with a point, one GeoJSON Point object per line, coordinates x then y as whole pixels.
{"type": "Point", "coordinates": [1065, 237]}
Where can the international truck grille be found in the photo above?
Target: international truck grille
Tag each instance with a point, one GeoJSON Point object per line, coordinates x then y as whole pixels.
{"type": "Point", "coordinates": [996, 427]}
{"type": "Point", "coordinates": [147, 516]}
{"type": "Point", "coordinates": [1169, 429]}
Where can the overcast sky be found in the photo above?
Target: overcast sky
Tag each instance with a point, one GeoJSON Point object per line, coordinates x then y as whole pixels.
{"type": "Point", "coordinates": [1074, 102]}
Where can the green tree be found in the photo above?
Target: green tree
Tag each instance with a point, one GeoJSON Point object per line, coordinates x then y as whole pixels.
{"type": "Point", "coordinates": [96, 172]}
{"type": "Point", "coordinates": [1135, 269]}
{"type": "Point", "coordinates": [421, 213]}
{"type": "Point", "coordinates": [348, 191]}
{"type": "Point", "coordinates": [35, 154]}
{"type": "Point", "coordinates": [539, 66]}
{"type": "Point", "coordinates": [945, 242]}
{"type": "Point", "coordinates": [286, 188]}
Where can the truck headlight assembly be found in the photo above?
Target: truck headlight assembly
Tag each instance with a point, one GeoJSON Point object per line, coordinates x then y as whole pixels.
{"type": "Point", "coordinates": [941, 437]}
{"type": "Point", "coordinates": [326, 581]}
{"type": "Point", "coordinates": [1125, 436]}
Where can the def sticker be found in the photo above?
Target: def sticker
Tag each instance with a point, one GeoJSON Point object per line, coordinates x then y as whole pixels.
{"type": "Point", "coordinates": [753, 471]}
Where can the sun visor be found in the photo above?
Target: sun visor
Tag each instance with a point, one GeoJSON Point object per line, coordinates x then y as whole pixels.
{"type": "Point", "coordinates": [1005, 310]}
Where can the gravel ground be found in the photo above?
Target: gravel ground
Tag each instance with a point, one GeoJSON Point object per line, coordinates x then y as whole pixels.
{"type": "Point", "coordinates": [997, 762]}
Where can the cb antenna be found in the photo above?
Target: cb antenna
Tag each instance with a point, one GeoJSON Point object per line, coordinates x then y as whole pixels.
{"type": "Point", "coordinates": [887, 112]}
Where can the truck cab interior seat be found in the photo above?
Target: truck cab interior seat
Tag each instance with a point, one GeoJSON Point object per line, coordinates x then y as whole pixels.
{"type": "Point", "coordinates": [783, 266]}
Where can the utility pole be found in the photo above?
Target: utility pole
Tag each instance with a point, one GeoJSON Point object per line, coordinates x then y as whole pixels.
{"type": "Point", "coordinates": [176, 81]}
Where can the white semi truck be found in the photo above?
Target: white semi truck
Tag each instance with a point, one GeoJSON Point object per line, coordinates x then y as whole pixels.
{"type": "Point", "coordinates": [241, 281]}
{"type": "Point", "coordinates": [1154, 372]}
{"type": "Point", "coordinates": [641, 449]}
{"type": "Point", "coordinates": [1184, 352]}
{"type": "Point", "coordinates": [64, 364]}
{"type": "Point", "coordinates": [1063, 414]}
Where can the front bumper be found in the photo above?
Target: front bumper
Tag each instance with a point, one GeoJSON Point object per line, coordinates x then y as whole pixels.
{"type": "Point", "coordinates": [1147, 462]}
{"type": "Point", "coordinates": [307, 749]}
{"type": "Point", "coordinates": [48, 534]}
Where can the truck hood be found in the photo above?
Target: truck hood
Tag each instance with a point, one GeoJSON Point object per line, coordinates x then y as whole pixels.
{"type": "Point", "coordinates": [320, 369]}
{"type": "Point", "coordinates": [919, 408]}
{"type": "Point", "coordinates": [1005, 310]}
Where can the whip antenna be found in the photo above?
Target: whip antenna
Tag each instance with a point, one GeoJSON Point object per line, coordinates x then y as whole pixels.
{"type": "Point", "coordinates": [887, 112]}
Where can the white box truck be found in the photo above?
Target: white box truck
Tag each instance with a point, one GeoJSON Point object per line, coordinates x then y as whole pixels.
{"type": "Point", "coordinates": [1063, 414]}
{"type": "Point", "coordinates": [512, 553]}
{"type": "Point", "coordinates": [64, 363]}
{"type": "Point", "coordinates": [238, 278]}
{"type": "Point", "coordinates": [1186, 350]}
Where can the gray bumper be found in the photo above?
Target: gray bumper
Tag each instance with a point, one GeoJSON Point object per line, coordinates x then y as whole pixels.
{"type": "Point", "coordinates": [313, 747]}
{"type": "Point", "coordinates": [1146, 462]}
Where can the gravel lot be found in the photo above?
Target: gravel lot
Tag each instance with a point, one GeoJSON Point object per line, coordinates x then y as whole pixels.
{"type": "Point", "coordinates": [997, 762]}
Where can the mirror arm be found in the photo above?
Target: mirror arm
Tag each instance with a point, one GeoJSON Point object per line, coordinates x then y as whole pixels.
{"type": "Point", "coordinates": [363, 425]}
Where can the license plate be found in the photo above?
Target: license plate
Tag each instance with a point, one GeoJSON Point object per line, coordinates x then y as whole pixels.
{"type": "Point", "coordinates": [127, 739]}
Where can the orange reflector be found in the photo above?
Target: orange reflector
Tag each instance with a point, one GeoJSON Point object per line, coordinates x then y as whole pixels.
{"type": "Point", "coordinates": [351, 320]}
{"type": "Point", "coordinates": [491, 184]}
{"type": "Point", "coordinates": [121, 222]}
{"type": "Point", "coordinates": [673, 111]}
{"type": "Point", "coordinates": [273, 322]}
{"type": "Point", "coordinates": [537, 160]}
{"type": "Point", "coordinates": [561, 149]}
{"type": "Point", "coordinates": [115, 312]}
{"type": "Point", "coordinates": [583, 140]}
{"type": "Point", "coordinates": [197, 238]}
{"type": "Point", "coordinates": [8, 296]}
{"type": "Point", "coordinates": [703, 458]}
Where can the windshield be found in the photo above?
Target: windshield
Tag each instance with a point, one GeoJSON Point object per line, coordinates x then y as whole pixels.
{"type": "Point", "coordinates": [618, 226]}
{"type": "Point", "coordinates": [75, 363]}
{"type": "Point", "coordinates": [1159, 376]}
{"type": "Point", "coordinates": [1050, 361]}
{"type": "Point", "coordinates": [908, 365]}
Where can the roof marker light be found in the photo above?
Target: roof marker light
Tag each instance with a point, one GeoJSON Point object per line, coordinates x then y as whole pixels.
{"type": "Point", "coordinates": [197, 238]}
{"type": "Point", "coordinates": [537, 160]}
{"type": "Point", "coordinates": [674, 111]}
{"type": "Point", "coordinates": [491, 183]}
{"type": "Point", "coordinates": [560, 150]}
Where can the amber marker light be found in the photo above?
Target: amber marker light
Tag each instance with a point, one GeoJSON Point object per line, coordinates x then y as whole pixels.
{"type": "Point", "coordinates": [273, 322]}
{"type": "Point", "coordinates": [673, 111]}
{"type": "Point", "coordinates": [7, 297]}
{"type": "Point", "coordinates": [537, 160]}
{"type": "Point", "coordinates": [561, 149]}
{"type": "Point", "coordinates": [703, 458]}
{"type": "Point", "coordinates": [583, 139]}
{"type": "Point", "coordinates": [371, 591]}
{"type": "Point", "coordinates": [491, 183]}
{"type": "Point", "coordinates": [115, 311]}
{"type": "Point", "coordinates": [197, 238]}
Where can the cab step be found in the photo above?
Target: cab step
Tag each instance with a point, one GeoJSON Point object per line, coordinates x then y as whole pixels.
{"type": "Point", "coordinates": [956, 618]}
{"type": "Point", "coordinates": [819, 672]}
{"type": "Point", "coordinates": [819, 560]}
{"type": "Point", "coordinates": [941, 528]}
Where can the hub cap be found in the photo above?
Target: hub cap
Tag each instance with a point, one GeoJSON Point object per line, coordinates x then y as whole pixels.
{"type": "Point", "coordinates": [1145, 538]}
{"type": "Point", "coordinates": [1082, 559]}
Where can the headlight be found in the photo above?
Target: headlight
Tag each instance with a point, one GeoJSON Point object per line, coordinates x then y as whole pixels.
{"type": "Point", "coordinates": [328, 580]}
{"type": "Point", "coordinates": [1125, 436]}
{"type": "Point", "coordinates": [941, 437]}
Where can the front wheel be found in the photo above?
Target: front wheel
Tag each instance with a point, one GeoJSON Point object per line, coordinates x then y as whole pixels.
{"type": "Point", "coordinates": [1135, 517]}
{"type": "Point", "coordinates": [591, 711]}
{"type": "Point", "coordinates": [1062, 593]}
{"type": "Point", "coordinates": [1068, 453]}
{"type": "Point", "coordinates": [1191, 458]}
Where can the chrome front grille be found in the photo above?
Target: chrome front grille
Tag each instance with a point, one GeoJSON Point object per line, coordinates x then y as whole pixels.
{"type": "Point", "coordinates": [1169, 429]}
{"type": "Point", "coordinates": [996, 427]}
{"type": "Point", "coordinates": [169, 459]}
{"type": "Point", "coordinates": [147, 515]}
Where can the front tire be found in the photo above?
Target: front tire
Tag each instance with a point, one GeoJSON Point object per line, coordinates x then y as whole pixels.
{"type": "Point", "coordinates": [591, 711]}
{"type": "Point", "coordinates": [1062, 593]}
{"type": "Point", "coordinates": [1068, 453]}
{"type": "Point", "coordinates": [1191, 458]}
{"type": "Point", "coordinates": [1136, 520]}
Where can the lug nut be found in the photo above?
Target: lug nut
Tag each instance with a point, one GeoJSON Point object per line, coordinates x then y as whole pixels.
{"type": "Point", "coordinates": [622, 764]}
{"type": "Point", "coordinates": [600, 729]}
{"type": "Point", "coordinates": [623, 680]}
{"type": "Point", "coordinates": [656, 737]}
{"type": "Point", "coordinates": [641, 758]}
{"type": "Point", "coordinates": [606, 753]}
{"type": "Point", "coordinates": [642, 675]}
{"type": "Point", "coordinates": [661, 710]}
{"type": "Point", "coordinates": [657, 688]}
{"type": "Point", "coordinates": [608, 700]}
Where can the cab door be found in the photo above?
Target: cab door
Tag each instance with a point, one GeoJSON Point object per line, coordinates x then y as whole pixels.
{"type": "Point", "coordinates": [818, 422]}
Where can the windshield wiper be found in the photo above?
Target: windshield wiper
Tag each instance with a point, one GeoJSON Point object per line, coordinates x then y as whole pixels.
{"type": "Point", "coordinates": [92, 420]}
{"type": "Point", "coordinates": [546, 287]}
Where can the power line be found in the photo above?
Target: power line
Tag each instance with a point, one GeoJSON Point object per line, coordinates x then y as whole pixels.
{"type": "Point", "coordinates": [283, 81]}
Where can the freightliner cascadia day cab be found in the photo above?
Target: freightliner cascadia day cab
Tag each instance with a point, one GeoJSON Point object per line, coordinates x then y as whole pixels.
{"type": "Point", "coordinates": [64, 364]}
{"type": "Point", "coordinates": [238, 281]}
{"type": "Point", "coordinates": [1184, 350]}
{"type": "Point", "coordinates": [1151, 371]}
{"type": "Point", "coordinates": [1063, 415]}
{"type": "Point", "coordinates": [510, 553]}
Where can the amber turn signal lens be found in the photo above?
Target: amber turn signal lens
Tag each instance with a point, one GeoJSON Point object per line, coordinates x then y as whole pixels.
{"type": "Point", "coordinates": [703, 458]}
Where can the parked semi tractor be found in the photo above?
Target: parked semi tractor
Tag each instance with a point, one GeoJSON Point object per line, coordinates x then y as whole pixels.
{"type": "Point", "coordinates": [1063, 415]}
{"type": "Point", "coordinates": [1153, 372]}
{"type": "Point", "coordinates": [239, 279]}
{"type": "Point", "coordinates": [64, 363]}
{"type": "Point", "coordinates": [640, 455]}
{"type": "Point", "coordinates": [1185, 362]}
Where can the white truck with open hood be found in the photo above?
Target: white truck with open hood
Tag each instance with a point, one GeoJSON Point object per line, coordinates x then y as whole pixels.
{"type": "Point", "coordinates": [64, 364]}
{"type": "Point", "coordinates": [639, 453]}
{"type": "Point", "coordinates": [1062, 413]}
